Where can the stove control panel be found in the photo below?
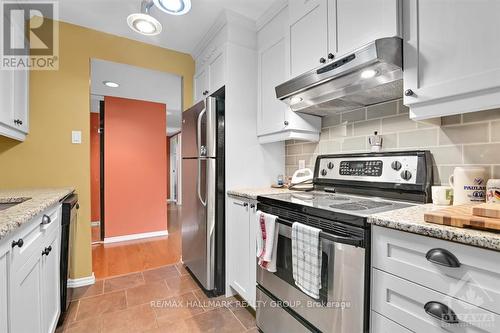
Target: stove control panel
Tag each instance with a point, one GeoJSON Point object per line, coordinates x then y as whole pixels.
{"type": "Point", "coordinates": [388, 169]}
{"type": "Point", "coordinates": [372, 168]}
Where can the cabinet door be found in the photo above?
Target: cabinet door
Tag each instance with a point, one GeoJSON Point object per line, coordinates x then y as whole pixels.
{"type": "Point", "coordinates": [308, 35]}
{"type": "Point", "coordinates": [252, 289]}
{"type": "Point", "coordinates": [239, 246]}
{"type": "Point", "coordinates": [200, 85]}
{"type": "Point", "coordinates": [360, 21]}
{"type": "Point", "coordinates": [271, 116]}
{"type": "Point", "coordinates": [26, 296]}
{"type": "Point", "coordinates": [19, 116]}
{"type": "Point", "coordinates": [448, 58]}
{"type": "Point", "coordinates": [50, 283]}
{"type": "Point", "coordinates": [6, 97]}
{"type": "Point", "coordinates": [3, 291]}
{"type": "Point", "coordinates": [217, 72]}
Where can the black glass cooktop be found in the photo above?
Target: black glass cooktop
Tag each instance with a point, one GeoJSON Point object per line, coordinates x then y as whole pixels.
{"type": "Point", "coordinates": [341, 203]}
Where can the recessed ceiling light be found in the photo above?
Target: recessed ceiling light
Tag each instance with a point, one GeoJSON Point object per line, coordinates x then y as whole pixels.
{"type": "Point", "coordinates": [295, 100]}
{"type": "Point", "coordinates": [174, 7]}
{"type": "Point", "coordinates": [110, 84]}
{"type": "Point", "coordinates": [143, 22]}
{"type": "Point", "coordinates": [368, 74]}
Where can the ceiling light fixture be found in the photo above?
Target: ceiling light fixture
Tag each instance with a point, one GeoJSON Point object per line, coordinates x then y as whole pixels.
{"type": "Point", "coordinates": [110, 84]}
{"type": "Point", "coordinates": [174, 7]}
{"type": "Point", "coordinates": [143, 22]}
{"type": "Point", "coordinates": [368, 74]}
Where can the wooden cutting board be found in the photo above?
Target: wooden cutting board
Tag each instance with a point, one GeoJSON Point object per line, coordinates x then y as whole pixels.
{"type": "Point", "coordinates": [461, 216]}
{"type": "Point", "coordinates": [487, 210]}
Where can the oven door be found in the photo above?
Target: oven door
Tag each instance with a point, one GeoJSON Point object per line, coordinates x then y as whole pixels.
{"type": "Point", "coordinates": [341, 304]}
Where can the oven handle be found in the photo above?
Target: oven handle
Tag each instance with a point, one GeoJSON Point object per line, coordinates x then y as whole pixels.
{"type": "Point", "coordinates": [354, 241]}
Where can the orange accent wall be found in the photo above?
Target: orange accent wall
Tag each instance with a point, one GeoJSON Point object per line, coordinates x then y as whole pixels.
{"type": "Point", "coordinates": [135, 167]}
{"type": "Point", "coordinates": [95, 177]}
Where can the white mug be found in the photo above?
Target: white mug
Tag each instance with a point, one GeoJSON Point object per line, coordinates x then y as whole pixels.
{"type": "Point", "coordinates": [469, 185]}
{"type": "Point", "coordinates": [493, 191]}
{"type": "Point", "coordinates": [442, 195]}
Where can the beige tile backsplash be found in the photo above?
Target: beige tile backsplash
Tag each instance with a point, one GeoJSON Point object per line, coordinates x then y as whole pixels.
{"type": "Point", "coordinates": [468, 139]}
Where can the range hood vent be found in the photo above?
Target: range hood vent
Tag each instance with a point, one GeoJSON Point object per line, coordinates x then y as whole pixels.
{"type": "Point", "coordinates": [371, 74]}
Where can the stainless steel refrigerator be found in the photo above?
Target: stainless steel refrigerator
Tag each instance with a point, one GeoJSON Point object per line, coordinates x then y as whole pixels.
{"type": "Point", "coordinates": [202, 212]}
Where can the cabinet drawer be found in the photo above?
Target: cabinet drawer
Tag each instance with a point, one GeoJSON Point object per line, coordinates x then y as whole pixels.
{"type": "Point", "coordinates": [404, 301]}
{"type": "Point", "coordinates": [33, 236]}
{"type": "Point", "coordinates": [475, 281]}
{"type": "Point", "coordinates": [381, 324]}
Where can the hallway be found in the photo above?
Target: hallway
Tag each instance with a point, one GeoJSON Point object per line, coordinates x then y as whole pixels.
{"type": "Point", "coordinates": [139, 255]}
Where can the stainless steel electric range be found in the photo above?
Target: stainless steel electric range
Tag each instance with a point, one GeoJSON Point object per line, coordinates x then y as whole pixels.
{"type": "Point", "coordinates": [347, 189]}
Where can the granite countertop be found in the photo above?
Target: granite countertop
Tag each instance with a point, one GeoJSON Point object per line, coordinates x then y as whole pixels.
{"type": "Point", "coordinates": [252, 193]}
{"type": "Point", "coordinates": [412, 220]}
{"type": "Point", "coordinates": [35, 202]}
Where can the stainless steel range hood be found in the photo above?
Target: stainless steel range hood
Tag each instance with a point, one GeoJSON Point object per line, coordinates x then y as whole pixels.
{"type": "Point", "coordinates": [369, 75]}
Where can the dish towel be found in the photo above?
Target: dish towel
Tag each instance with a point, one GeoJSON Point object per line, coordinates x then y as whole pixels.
{"type": "Point", "coordinates": [306, 258]}
{"type": "Point", "coordinates": [267, 240]}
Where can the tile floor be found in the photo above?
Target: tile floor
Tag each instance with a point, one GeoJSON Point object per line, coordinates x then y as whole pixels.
{"type": "Point", "coordinates": [164, 299]}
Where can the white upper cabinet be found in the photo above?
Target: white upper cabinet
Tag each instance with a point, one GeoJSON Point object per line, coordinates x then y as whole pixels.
{"type": "Point", "coordinates": [451, 61]}
{"type": "Point", "coordinates": [216, 70]}
{"type": "Point", "coordinates": [275, 120]}
{"type": "Point", "coordinates": [271, 117]}
{"type": "Point", "coordinates": [359, 22]}
{"type": "Point", "coordinates": [200, 85]}
{"type": "Point", "coordinates": [210, 68]}
{"type": "Point", "coordinates": [321, 30]}
{"type": "Point", "coordinates": [308, 35]}
{"type": "Point", "coordinates": [14, 97]}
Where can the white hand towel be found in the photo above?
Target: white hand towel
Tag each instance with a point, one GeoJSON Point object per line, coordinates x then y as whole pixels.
{"type": "Point", "coordinates": [306, 258]}
{"type": "Point", "coordinates": [267, 240]}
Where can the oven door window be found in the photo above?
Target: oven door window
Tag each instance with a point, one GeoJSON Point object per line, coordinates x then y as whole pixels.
{"type": "Point", "coordinates": [284, 267]}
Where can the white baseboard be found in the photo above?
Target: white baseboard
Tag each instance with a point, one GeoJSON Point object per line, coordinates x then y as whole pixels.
{"type": "Point", "coordinates": [95, 223]}
{"type": "Point", "coordinates": [81, 282]}
{"type": "Point", "coordinates": [135, 236]}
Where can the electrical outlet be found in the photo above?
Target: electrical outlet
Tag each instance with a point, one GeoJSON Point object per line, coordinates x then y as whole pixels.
{"type": "Point", "coordinates": [76, 137]}
{"type": "Point", "coordinates": [302, 164]}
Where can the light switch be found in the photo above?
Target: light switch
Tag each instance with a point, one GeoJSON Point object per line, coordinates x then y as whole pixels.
{"type": "Point", "coordinates": [302, 164]}
{"type": "Point", "coordinates": [76, 137]}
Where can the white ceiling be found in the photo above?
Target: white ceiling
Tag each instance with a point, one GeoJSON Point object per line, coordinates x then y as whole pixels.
{"type": "Point", "coordinates": [139, 83]}
{"type": "Point", "coordinates": [181, 33]}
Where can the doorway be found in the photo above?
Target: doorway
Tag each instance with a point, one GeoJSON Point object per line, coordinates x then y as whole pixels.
{"type": "Point", "coordinates": [143, 88]}
{"type": "Point", "coordinates": [174, 168]}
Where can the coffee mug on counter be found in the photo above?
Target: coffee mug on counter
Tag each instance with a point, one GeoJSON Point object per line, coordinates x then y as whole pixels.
{"type": "Point", "coordinates": [469, 185]}
{"type": "Point", "coordinates": [442, 195]}
{"type": "Point", "coordinates": [493, 191]}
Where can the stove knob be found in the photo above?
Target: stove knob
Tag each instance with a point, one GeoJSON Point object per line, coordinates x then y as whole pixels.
{"type": "Point", "coordinates": [323, 172]}
{"type": "Point", "coordinates": [406, 175]}
{"type": "Point", "coordinates": [330, 165]}
{"type": "Point", "coordinates": [396, 165]}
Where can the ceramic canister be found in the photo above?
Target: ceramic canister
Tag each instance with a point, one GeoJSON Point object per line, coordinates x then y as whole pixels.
{"type": "Point", "coordinates": [469, 185]}
{"type": "Point", "coordinates": [493, 191]}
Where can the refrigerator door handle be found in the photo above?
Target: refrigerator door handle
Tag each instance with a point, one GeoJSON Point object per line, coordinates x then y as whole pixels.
{"type": "Point", "coordinates": [198, 175]}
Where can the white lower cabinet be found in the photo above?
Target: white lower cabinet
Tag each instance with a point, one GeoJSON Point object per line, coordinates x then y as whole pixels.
{"type": "Point", "coordinates": [29, 276]}
{"type": "Point", "coordinates": [26, 296]}
{"type": "Point", "coordinates": [51, 281]}
{"type": "Point", "coordinates": [419, 283]}
{"type": "Point", "coordinates": [240, 248]}
{"type": "Point", "coordinates": [4, 315]}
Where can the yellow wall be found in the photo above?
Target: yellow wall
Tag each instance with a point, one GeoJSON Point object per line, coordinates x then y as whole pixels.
{"type": "Point", "coordinates": [59, 103]}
